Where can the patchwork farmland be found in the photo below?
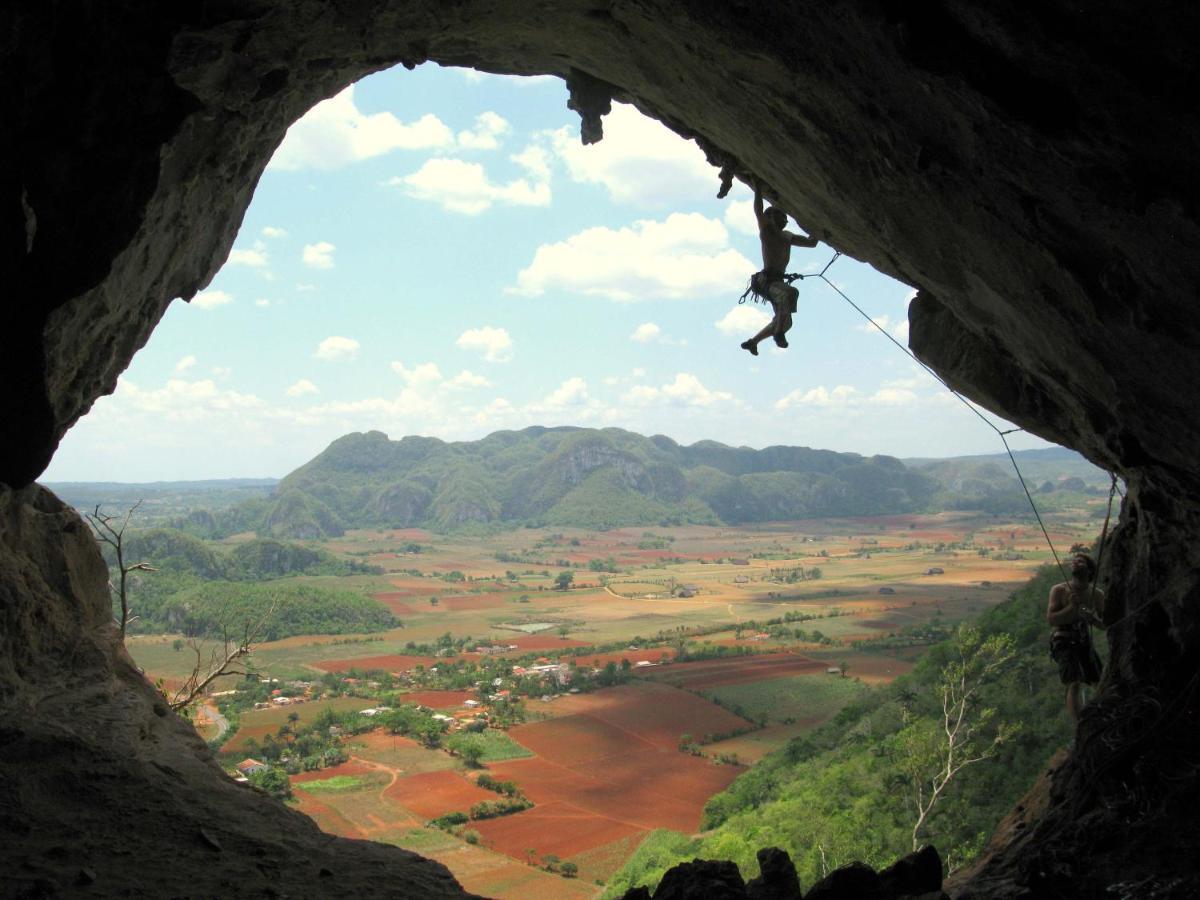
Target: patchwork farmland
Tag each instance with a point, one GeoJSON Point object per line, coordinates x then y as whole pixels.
{"type": "Point", "coordinates": [705, 649]}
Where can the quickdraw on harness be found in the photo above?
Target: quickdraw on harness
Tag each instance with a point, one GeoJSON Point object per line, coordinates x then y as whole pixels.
{"type": "Point", "coordinates": [756, 287]}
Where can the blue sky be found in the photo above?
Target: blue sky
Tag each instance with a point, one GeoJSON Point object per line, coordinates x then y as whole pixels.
{"type": "Point", "coordinates": [434, 252]}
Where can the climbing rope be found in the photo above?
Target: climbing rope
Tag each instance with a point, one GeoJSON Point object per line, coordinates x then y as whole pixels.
{"type": "Point", "coordinates": [1003, 434]}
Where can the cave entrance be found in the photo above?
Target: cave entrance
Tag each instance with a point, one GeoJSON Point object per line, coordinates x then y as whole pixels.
{"type": "Point", "coordinates": [488, 272]}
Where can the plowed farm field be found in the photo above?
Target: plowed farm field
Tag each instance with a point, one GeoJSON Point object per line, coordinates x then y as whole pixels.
{"type": "Point", "coordinates": [433, 794]}
{"type": "Point", "coordinates": [387, 663]}
{"type": "Point", "coordinates": [607, 767]}
{"type": "Point", "coordinates": [695, 676]}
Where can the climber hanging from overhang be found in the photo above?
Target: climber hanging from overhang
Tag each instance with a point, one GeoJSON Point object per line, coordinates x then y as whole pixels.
{"type": "Point", "coordinates": [773, 284]}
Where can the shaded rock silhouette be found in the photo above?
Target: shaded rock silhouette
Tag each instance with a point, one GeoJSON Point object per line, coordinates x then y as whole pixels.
{"type": "Point", "coordinates": [1031, 170]}
{"type": "Point", "coordinates": [776, 879]}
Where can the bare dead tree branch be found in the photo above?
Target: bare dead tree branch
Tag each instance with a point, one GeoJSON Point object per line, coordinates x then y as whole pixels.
{"type": "Point", "coordinates": [111, 530]}
{"type": "Point", "coordinates": [221, 661]}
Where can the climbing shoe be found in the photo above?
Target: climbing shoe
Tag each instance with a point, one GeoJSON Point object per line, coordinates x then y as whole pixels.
{"type": "Point", "coordinates": [749, 345]}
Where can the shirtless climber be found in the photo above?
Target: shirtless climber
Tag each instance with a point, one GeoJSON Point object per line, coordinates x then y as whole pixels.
{"type": "Point", "coordinates": [777, 247]}
{"type": "Point", "coordinates": [1073, 606]}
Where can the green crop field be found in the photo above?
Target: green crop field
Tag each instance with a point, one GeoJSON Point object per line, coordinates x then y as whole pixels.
{"type": "Point", "coordinates": [798, 697]}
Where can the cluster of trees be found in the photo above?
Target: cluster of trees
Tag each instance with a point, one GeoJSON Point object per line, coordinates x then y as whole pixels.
{"type": "Point", "coordinates": [888, 771]}
{"type": "Point", "coordinates": [205, 609]}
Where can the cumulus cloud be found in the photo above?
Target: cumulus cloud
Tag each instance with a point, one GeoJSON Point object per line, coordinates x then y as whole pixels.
{"type": "Point", "coordinates": [318, 255]}
{"type": "Point", "coordinates": [185, 363]}
{"type": "Point", "coordinates": [494, 343]}
{"type": "Point", "coordinates": [640, 160]}
{"type": "Point", "coordinates": [841, 396]}
{"type": "Point", "coordinates": [422, 374]}
{"type": "Point", "coordinates": [211, 299]}
{"type": "Point", "coordinates": [686, 255]}
{"type": "Point", "coordinates": [336, 132]}
{"type": "Point", "coordinates": [301, 388]}
{"type": "Point", "coordinates": [181, 401]}
{"type": "Point", "coordinates": [489, 129]}
{"type": "Point", "coordinates": [745, 319]}
{"type": "Point", "coordinates": [685, 390]}
{"type": "Point", "coordinates": [270, 231]}
{"type": "Point", "coordinates": [262, 301]}
{"type": "Point", "coordinates": [468, 379]}
{"type": "Point", "coordinates": [893, 396]}
{"type": "Point", "coordinates": [570, 392]}
{"type": "Point", "coordinates": [464, 187]}
{"type": "Point", "coordinates": [739, 216]}
{"type": "Point", "coordinates": [645, 333]}
{"type": "Point", "coordinates": [337, 349]}
{"type": "Point", "coordinates": [255, 257]}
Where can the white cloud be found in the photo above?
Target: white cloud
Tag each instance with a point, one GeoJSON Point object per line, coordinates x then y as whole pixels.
{"type": "Point", "coordinates": [841, 396]}
{"type": "Point", "coordinates": [638, 372]}
{"type": "Point", "coordinates": [569, 393]}
{"type": "Point", "coordinates": [337, 349]}
{"type": "Point", "coordinates": [645, 333]}
{"type": "Point", "coordinates": [211, 299]}
{"type": "Point", "coordinates": [185, 363]}
{"type": "Point", "coordinates": [270, 231]}
{"type": "Point", "coordinates": [535, 160]}
{"type": "Point", "coordinates": [185, 401]}
{"type": "Point", "coordinates": [255, 257]}
{"type": "Point", "coordinates": [262, 301]}
{"type": "Point", "coordinates": [468, 379]}
{"type": "Point", "coordinates": [319, 255]}
{"type": "Point", "coordinates": [301, 388]}
{"type": "Point", "coordinates": [422, 374]}
{"type": "Point", "coordinates": [746, 319]}
{"type": "Point", "coordinates": [639, 161]}
{"type": "Point", "coordinates": [335, 133]}
{"type": "Point", "coordinates": [304, 288]}
{"type": "Point", "coordinates": [893, 396]}
{"type": "Point", "coordinates": [222, 371]}
{"type": "Point", "coordinates": [464, 187]}
{"type": "Point", "coordinates": [739, 216]}
{"type": "Point", "coordinates": [686, 255]}
{"type": "Point", "coordinates": [494, 343]}
{"type": "Point", "coordinates": [685, 390]}
{"type": "Point", "coordinates": [489, 128]}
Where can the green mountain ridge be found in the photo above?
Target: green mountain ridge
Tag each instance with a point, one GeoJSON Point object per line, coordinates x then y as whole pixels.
{"type": "Point", "coordinates": [566, 476]}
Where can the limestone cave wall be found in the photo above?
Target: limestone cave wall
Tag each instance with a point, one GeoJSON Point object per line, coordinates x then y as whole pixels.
{"type": "Point", "coordinates": [1029, 167]}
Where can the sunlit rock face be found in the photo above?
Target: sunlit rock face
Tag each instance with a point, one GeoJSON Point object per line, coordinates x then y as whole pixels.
{"type": "Point", "coordinates": [1031, 168]}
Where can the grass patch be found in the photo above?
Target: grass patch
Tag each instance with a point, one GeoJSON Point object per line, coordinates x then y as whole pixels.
{"type": "Point", "coordinates": [795, 697]}
{"type": "Point", "coordinates": [498, 746]}
{"type": "Point", "coordinates": [336, 784]}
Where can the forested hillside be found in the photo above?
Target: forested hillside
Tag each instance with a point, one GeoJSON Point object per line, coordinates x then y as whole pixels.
{"type": "Point", "coordinates": [565, 476]}
{"type": "Point", "coordinates": [848, 792]}
{"type": "Point", "coordinates": [197, 589]}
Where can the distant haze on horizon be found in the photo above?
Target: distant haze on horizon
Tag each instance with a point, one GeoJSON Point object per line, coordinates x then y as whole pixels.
{"type": "Point", "coordinates": [435, 253]}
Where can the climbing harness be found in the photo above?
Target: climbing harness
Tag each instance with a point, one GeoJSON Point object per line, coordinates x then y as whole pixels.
{"type": "Point", "coordinates": [757, 286]}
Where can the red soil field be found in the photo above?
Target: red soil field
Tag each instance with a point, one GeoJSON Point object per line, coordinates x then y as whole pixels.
{"type": "Point", "coordinates": [353, 767]}
{"type": "Point", "coordinates": [471, 601]}
{"type": "Point", "coordinates": [647, 789]}
{"type": "Point", "coordinates": [556, 828]}
{"type": "Point", "coordinates": [327, 818]}
{"type": "Point", "coordinates": [882, 624]}
{"type": "Point", "coordinates": [433, 794]}
{"type": "Point", "coordinates": [541, 642]}
{"type": "Point", "coordinates": [389, 663]}
{"type": "Point", "coordinates": [438, 699]}
{"type": "Point", "coordinates": [599, 660]}
{"type": "Point", "coordinates": [737, 670]}
{"type": "Point", "coordinates": [394, 600]}
{"type": "Point", "coordinates": [649, 712]}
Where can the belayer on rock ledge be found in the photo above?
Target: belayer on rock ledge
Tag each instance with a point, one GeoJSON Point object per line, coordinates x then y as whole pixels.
{"type": "Point", "coordinates": [772, 284]}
